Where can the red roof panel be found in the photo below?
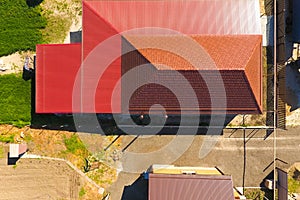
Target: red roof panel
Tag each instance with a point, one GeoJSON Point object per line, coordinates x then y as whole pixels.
{"type": "Point", "coordinates": [56, 69]}
{"type": "Point", "coordinates": [219, 17]}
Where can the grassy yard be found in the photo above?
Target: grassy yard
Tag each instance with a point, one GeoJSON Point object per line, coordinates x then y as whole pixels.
{"type": "Point", "coordinates": [20, 26]}
{"type": "Point", "coordinates": [15, 96]}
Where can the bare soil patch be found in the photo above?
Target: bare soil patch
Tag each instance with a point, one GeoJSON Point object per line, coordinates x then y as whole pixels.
{"type": "Point", "coordinates": [39, 179]}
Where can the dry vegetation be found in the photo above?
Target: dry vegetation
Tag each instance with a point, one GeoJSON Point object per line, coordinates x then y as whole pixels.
{"type": "Point", "coordinates": [60, 15]}
{"type": "Point", "coordinates": [67, 145]}
{"type": "Point", "coordinates": [294, 179]}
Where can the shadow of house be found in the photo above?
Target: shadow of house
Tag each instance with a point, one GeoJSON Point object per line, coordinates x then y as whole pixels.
{"type": "Point", "coordinates": [13, 160]}
{"type": "Point", "coordinates": [136, 191]}
{"type": "Point", "coordinates": [33, 3]}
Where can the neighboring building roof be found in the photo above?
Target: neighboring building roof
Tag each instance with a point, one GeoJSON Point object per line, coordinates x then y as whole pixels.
{"type": "Point", "coordinates": [178, 187]}
{"type": "Point", "coordinates": [171, 169]}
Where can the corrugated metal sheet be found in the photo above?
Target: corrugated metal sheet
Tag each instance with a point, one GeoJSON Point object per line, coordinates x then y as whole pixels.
{"type": "Point", "coordinates": [282, 184]}
{"type": "Point", "coordinates": [56, 69]}
{"type": "Point", "coordinates": [219, 17]}
{"type": "Point", "coordinates": [56, 72]}
{"type": "Point", "coordinates": [190, 187]}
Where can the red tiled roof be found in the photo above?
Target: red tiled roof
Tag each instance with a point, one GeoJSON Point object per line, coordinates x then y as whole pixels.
{"type": "Point", "coordinates": [230, 58]}
{"type": "Point", "coordinates": [230, 52]}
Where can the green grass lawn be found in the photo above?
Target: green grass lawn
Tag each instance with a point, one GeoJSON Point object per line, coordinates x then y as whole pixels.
{"type": "Point", "coordinates": [20, 26]}
{"type": "Point", "coordinates": [15, 96]}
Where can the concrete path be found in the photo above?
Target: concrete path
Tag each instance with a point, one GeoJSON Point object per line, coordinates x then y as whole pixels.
{"type": "Point", "coordinates": [248, 160]}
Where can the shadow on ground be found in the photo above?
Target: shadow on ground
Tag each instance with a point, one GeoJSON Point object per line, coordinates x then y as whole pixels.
{"type": "Point", "coordinates": [106, 124]}
{"type": "Point", "coordinates": [136, 191]}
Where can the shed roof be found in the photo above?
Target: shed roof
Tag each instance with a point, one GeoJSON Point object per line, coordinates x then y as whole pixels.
{"type": "Point", "coordinates": [178, 187]}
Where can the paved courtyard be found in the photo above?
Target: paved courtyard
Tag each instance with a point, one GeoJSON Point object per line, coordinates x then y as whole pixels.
{"type": "Point", "coordinates": [248, 160]}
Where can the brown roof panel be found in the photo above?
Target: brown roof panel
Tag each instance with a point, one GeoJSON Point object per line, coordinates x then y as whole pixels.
{"type": "Point", "coordinates": [190, 187]}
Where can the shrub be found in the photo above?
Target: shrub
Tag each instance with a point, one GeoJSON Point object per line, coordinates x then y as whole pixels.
{"type": "Point", "coordinates": [15, 104]}
{"type": "Point", "coordinates": [81, 192]}
{"type": "Point", "coordinates": [1, 151]}
{"type": "Point", "coordinates": [20, 26]}
{"type": "Point", "coordinates": [7, 138]}
{"type": "Point", "coordinates": [74, 144]}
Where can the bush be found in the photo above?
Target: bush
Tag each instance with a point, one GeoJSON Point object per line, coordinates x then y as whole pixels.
{"type": "Point", "coordinates": [82, 192]}
{"type": "Point", "coordinates": [74, 144]}
{"type": "Point", "coordinates": [15, 100]}
{"type": "Point", "coordinates": [1, 151]}
{"type": "Point", "coordinates": [20, 26]}
{"type": "Point", "coordinates": [7, 138]}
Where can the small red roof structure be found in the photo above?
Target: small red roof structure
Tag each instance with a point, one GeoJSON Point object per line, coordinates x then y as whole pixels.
{"type": "Point", "coordinates": [15, 150]}
{"type": "Point", "coordinates": [118, 36]}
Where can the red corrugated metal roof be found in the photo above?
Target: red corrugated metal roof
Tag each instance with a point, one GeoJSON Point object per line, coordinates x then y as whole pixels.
{"type": "Point", "coordinates": [190, 187]}
{"type": "Point", "coordinates": [57, 67]}
{"type": "Point", "coordinates": [219, 17]}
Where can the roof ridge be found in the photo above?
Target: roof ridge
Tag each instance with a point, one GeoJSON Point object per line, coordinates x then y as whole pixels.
{"type": "Point", "coordinates": [253, 50]}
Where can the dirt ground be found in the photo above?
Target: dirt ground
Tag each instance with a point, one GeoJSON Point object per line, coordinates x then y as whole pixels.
{"type": "Point", "coordinates": [39, 179]}
{"type": "Point", "coordinates": [14, 63]}
{"type": "Point", "coordinates": [50, 143]}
